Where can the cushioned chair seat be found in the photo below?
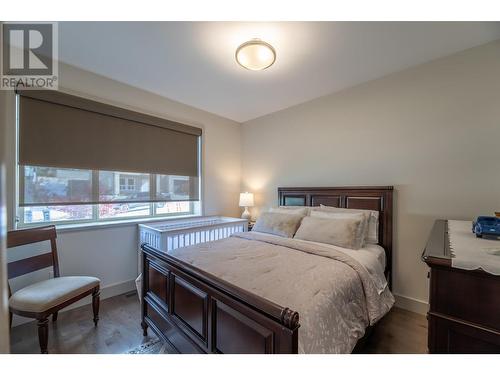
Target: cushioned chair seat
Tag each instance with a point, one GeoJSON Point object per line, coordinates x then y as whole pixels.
{"type": "Point", "coordinates": [46, 294]}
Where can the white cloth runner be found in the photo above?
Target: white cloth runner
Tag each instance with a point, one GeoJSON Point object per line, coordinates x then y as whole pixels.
{"type": "Point", "coordinates": [471, 253]}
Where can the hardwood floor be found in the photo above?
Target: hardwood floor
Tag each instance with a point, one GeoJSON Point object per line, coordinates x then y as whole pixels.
{"type": "Point", "coordinates": [119, 331]}
{"type": "Point", "coordinates": [399, 332]}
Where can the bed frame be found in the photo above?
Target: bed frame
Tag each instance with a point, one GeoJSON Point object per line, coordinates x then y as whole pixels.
{"type": "Point", "coordinates": [196, 312]}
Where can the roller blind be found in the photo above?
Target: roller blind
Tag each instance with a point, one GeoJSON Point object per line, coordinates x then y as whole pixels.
{"type": "Point", "coordinates": [59, 131]}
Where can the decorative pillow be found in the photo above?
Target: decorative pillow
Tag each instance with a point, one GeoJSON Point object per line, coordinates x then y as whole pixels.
{"type": "Point", "coordinates": [293, 210]}
{"type": "Point", "coordinates": [362, 229]}
{"type": "Point", "coordinates": [284, 225]}
{"type": "Point", "coordinates": [372, 217]}
{"type": "Point", "coordinates": [339, 232]}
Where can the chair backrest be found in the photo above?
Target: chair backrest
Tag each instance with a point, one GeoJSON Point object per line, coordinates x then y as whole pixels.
{"type": "Point", "coordinates": [28, 236]}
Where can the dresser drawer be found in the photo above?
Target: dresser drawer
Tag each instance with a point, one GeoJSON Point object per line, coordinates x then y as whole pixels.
{"type": "Point", "coordinates": [466, 295]}
{"type": "Point", "coordinates": [448, 336]}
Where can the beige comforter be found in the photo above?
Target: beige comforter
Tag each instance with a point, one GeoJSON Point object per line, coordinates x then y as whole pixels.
{"type": "Point", "coordinates": [334, 295]}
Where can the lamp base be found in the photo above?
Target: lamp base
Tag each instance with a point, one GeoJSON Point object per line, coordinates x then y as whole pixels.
{"type": "Point", "coordinates": [246, 214]}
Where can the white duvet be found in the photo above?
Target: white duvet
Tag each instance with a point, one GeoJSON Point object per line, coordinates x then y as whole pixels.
{"type": "Point", "coordinates": [336, 296]}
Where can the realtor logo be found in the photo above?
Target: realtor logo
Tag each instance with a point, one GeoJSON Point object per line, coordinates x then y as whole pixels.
{"type": "Point", "coordinates": [29, 56]}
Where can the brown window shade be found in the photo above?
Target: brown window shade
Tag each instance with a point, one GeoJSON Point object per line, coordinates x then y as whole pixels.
{"type": "Point", "coordinates": [60, 130]}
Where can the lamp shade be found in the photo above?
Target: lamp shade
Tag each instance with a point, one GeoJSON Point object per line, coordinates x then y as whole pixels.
{"type": "Point", "coordinates": [246, 199]}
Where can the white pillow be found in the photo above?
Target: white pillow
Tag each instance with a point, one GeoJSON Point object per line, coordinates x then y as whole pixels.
{"type": "Point", "coordinates": [362, 229]}
{"type": "Point", "coordinates": [372, 217]}
{"type": "Point", "coordinates": [291, 210]}
{"type": "Point", "coordinates": [339, 231]}
{"type": "Point", "coordinates": [284, 225]}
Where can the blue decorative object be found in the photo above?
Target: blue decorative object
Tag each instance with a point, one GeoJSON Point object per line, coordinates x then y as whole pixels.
{"type": "Point", "coordinates": [486, 225]}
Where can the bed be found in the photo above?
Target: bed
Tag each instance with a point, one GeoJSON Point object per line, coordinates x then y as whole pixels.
{"type": "Point", "coordinates": [244, 294]}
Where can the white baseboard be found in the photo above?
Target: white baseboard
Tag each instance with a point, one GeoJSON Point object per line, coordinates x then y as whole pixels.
{"type": "Point", "coordinates": [106, 292]}
{"type": "Point", "coordinates": [411, 304]}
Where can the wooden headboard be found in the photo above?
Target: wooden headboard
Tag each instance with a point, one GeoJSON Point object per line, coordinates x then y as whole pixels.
{"type": "Point", "coordinates": [377, 198]}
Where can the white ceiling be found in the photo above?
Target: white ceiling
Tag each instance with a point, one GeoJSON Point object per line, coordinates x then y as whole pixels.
{"type": "Point", "coordinates": [193, 62]}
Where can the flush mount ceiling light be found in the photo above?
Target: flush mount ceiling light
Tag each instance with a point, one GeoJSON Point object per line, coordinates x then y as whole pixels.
{"type": "Point", "coordinates": [255, 55]}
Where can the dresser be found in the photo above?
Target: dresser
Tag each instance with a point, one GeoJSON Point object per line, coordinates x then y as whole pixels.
{"type": "Point", "coordinates": [464, 312]}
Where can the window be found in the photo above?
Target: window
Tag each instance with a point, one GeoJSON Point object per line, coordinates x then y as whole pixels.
{"type": "Point", "coordinates": [72, 168]}
{"type": "Point", "coordinates": [127, 184]}
{"type": "Point", "coordinates": [46, 192]}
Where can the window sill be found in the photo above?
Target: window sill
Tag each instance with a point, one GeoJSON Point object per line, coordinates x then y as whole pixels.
{"type": "Point", "coordinates": [63, 228]}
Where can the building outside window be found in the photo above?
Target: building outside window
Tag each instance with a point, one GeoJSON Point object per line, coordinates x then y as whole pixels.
{"type": "Point", "coordinates": [127, 184]}
{"type": "Point", "coordinates": [59, 185]}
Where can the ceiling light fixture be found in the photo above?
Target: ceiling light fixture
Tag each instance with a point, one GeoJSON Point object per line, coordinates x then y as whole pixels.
{"type": "Point", "coordinates": [255, 55]}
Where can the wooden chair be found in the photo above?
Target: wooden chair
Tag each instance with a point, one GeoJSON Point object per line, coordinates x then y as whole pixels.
{"type": "Point", "coordinates": [45, 298]}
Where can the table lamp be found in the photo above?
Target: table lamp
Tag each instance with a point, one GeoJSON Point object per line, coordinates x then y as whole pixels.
{"type": "Point", "coordinates": [246, 200]}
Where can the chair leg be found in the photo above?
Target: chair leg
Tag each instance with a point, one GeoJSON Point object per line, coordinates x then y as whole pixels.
{"type": "Point", "coordinates": [95, 304]}
{"type": "Point", "coordinates": [43, 334]}
{"type": "Point", "coordinates": [10, 319]}
{"type": "Point", "coordinates": [144, 327]}
{"type": "Point", "coordinates": [54, 316]}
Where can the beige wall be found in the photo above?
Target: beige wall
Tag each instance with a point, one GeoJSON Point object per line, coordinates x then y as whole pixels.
{"type": "Point", "coordinates": [111, 253]}
{"type": "Point", "coordinates": [432, 131]}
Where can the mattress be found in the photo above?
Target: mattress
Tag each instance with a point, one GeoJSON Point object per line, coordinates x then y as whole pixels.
{"type": "Point", "coordinates": [337, 294]}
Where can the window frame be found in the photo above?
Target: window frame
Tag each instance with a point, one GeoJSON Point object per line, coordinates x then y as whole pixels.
{"type": "Point", "coordinates": [193, 211]}
{"type": "Point", "coordinates": [196, 208]}
{"type": "Point", "coordinates": [96, 220]}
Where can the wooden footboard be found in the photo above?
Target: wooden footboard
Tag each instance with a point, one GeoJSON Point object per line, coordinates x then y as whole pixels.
{"type": "Point", "coordinates": [195, 312]}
